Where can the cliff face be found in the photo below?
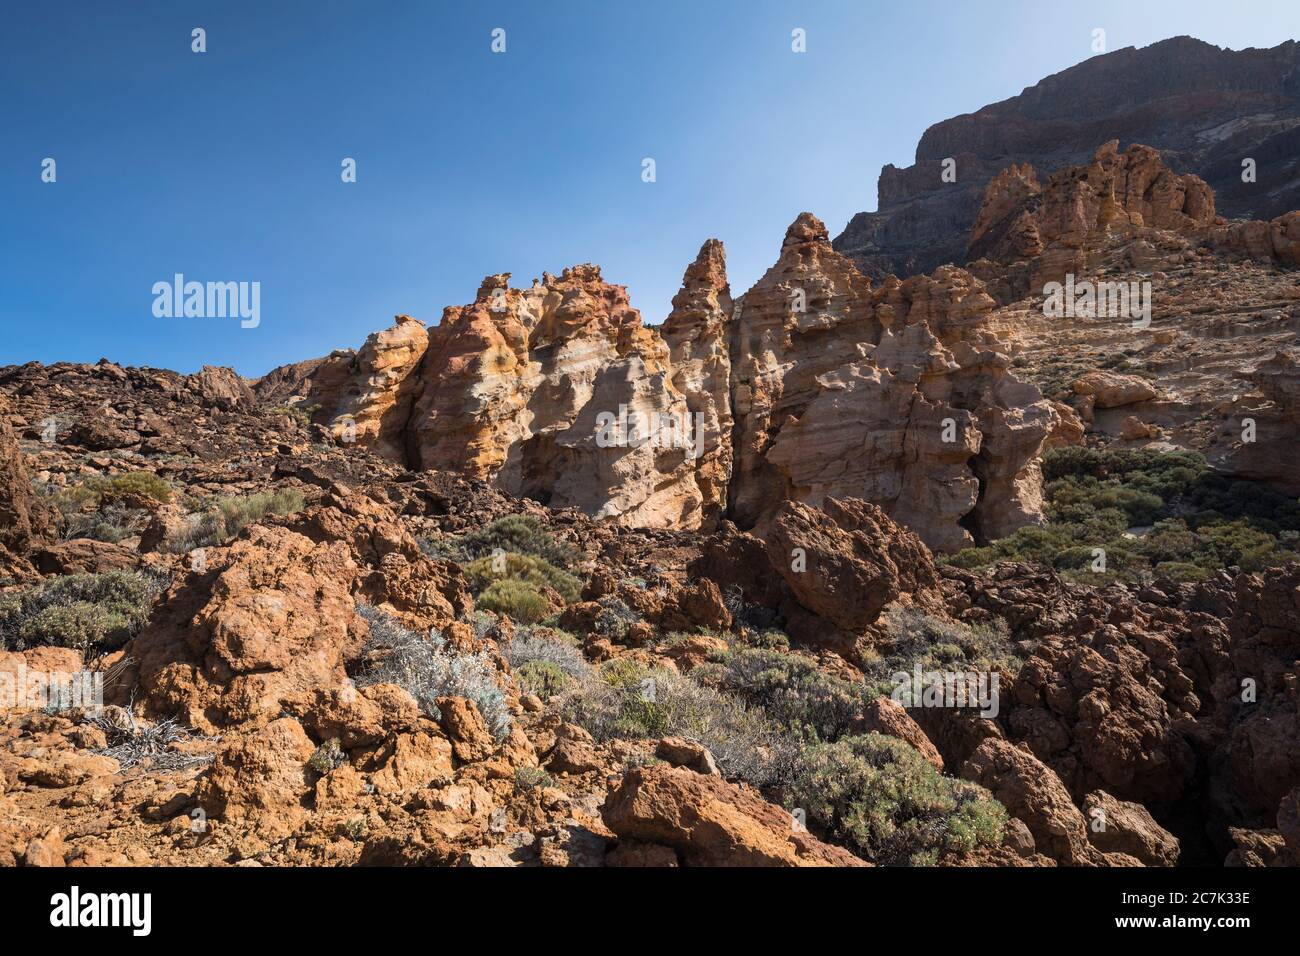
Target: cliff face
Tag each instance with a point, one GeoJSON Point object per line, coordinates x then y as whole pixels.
{"type": "Point", "coordinates": [896, 395]}
{"type": "Point", "coordinates": [556, 392]}
{"type": "Point", "coordinates": [559, 393]}
{"type": "Point", "coordinates": [698, 335]}
{"type": "Point", "coordinates": [812, 385]}
{"type": "Point", "coordinates": [1204, 108]}
{"type": "Point", "coordinates": [1033, 234]}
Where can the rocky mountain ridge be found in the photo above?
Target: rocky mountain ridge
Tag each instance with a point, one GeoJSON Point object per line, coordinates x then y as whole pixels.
{"type": "Point", "coordinates": [1205, 108]}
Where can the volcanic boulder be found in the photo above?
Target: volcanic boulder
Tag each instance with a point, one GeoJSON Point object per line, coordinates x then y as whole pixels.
{"type": "Point", "coordinates": [709, 822]}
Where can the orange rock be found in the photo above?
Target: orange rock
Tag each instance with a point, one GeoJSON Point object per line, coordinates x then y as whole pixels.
{"type": "Point", "coordinates": [24, 520]}
{"type": "Point", "coordinates": [847, 562]}
{"type": "Point", "coordinates": [466, 728]}
{"type": "Point", "coordinates": [1033, 794]}
{"type": "Point", "coordinates": [1112, 390]}
{"type": "Point", "coordinates": [1119, 826]}
{"type": "Point", "coordinates": [271, 618]}
{"type": "Point", "coordinates": [811, 385]}
{"type": "Point", "coordinates": [1062, 224]}
{"type": "Point", "coordinates": [260, 780]}
{"type": "Point", "coordinates": [412, 762]}
{"type": "Point", "coordinates": [710, 822]}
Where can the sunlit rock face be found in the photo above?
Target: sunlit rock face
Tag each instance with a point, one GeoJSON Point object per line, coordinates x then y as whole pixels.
{"type": "Point", "coordinates": [375, 404]}
{"type": "Point", "coordinates": [813, 385]}
{"type": "Point", "coordinates": [1204, 107]}
{"type": "Point", "coordinates": [896, 395]}
{"type": "Point", "coordinates": [698, 335]}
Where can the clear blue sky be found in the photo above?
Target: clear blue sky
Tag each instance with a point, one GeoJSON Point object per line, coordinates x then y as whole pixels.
{"type": "Point", "coordinates": [225, 165]}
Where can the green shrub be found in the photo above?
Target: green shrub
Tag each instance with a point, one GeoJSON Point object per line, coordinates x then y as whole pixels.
{"type": "Point", "coordinates": [90, 612]}
{"type": "Point", "coordinates": [881, 798]}
{"type": "Point", "coordinates": [94, 508]}
{"type": "Point", "coordinates": [794, 692]}
{"type": "Point", "coordinates": [427, 667]}
{"type": "Point", "coordinates": [936, 644]}
{"type": "Point", "coordinates": [483, 572]}
{"type": "Point", "coordinates": [614, 619]}
{"type": "Point", "coordinates": [770, 639]}
{"type": "Point", "coordinates": [543, 678]}
{"type": "Point", "coordinates": [1182, 571]}
{"type": "Point", "coordinates": [328, 756]}
{"type": "Point", "coordinates": [547, 645]}
{"type": "Point", "coordinates": [236, 514]}
{"type": "Point", "coordinates": [103, 489]}
{"type": "Point", "coordinates": [523, 534]}
{"type": "Point", "coordinates": [517, 600]}
{"type": "Point", "coordinates": [441, 548]}
{"type": "Point", "coordinates": [224, 518]}
{"type": "Point", "coordinates": [296, 413]}
{"type": "Point", "coordinates": [1199, 519]}
{"type": "Point", "coordinates": [532, 778]}
{"type": "Point", "coordinates": [761, 713]}
{"type": "Point", "coordinates": [142, 483]}
{"type": "Point", "coordinates": [112, 523]}
{"type": "Point", "coordinates": [631, 703]}
{"type": "Point", "coordinates": [511, 583]}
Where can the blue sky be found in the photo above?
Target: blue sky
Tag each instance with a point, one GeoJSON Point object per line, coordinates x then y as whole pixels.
{"type": "Point", "coordinates": [225, 166]}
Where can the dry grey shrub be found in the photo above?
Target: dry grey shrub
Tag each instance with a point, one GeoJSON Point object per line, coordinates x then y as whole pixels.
{"type": "Point", "coordinates": [628, 702]}
{"type": "Point", "coordinates": [532, 644]}
{"type": "Point", "coordinates": [131, 743]}
{"type": "Point", "coordinates": [427, 668]}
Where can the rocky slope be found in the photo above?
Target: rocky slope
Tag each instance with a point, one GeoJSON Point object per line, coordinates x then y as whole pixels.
{"type": "Point", "coordinates": [1205, 108]}
{"type": "Point", "coordinates": [256, 716]}
{"type": "Point", "coordinates": [920, 395]}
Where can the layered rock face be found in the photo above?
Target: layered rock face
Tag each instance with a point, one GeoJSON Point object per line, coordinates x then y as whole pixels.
{"type": "Point", "coordinates": [697, 333]}
{"type": "Point", "coordinates": [1271, 425]}
{"type": "Point", "coordinates": [812, 385]}
{"type": "Point", "coordinates": [1277, 239]}
{"type": "Point", "coordinates": [559, 393]}
{"type": "Point", "coordinates": [817, 384]}
{"type": "Point", "coordinates": [1216, 348]}
{"type": "Point", "coordinates": [1203, 107]}
{"type": "Point", "coordinates": [896, 395]}
{"type": "Point", "coordinates": [376, 404]}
